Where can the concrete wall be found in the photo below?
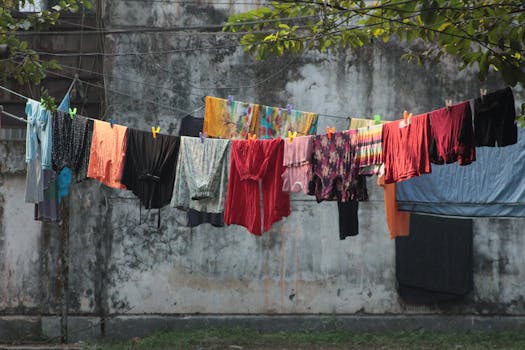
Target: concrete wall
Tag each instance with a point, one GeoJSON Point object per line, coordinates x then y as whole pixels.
{"type": "Point", "coordinates": [120, 263]}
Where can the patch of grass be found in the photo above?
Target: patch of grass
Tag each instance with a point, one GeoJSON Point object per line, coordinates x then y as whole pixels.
{"type": "Point", "coordinates": [249, 339]}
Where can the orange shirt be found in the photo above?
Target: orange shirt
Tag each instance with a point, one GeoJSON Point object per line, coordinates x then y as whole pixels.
{"type": "Point", "coordinates": [106, 157]}
{"type": "Point", "coordinates": [398, 222]}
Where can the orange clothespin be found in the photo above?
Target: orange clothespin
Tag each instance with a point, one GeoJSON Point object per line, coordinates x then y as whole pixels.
{"type": "Point", "coordinates": [252, 137]}
{"type": "Point", "coordinates": [291, 135]}
{"type": "Point", "coordinates": [155, 131]}
{"type": "Point", "coordinates": [330, 132]}
{"type": "Point", "coordinates": [406, 119]}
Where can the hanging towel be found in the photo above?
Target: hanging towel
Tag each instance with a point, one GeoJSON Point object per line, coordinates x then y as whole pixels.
{"type": "Point", "coordinates": [48, 209]}
{"type": "Point", "coordinates": [369, 153]}
{"type": "Point", "coordinates": [297, 161]}
{"type": "Point", "coordinates": [406, 148]}
{"type": "Point", "coordinates": [495, 119]}
{"type": "Point", "coordinates": [435, 263]}
{"type": "Point", "coordinates": [492, 186]}
{"type": "Point", "coordinates": [72, 143]}
{"type": "Point", "coordinates": [452, 135]}
{"type": "Point", "coordinates": [256, 169]}
{"type": "Point", "coordinates": [149, 167]}
{"type": "Point", "coordinates": [276, 122]}
{"type": "Point", "coordinates": [334, 172]}
{"type": "Point", "coordinates": [202, 175]}
{"type": "Point", "coordinates": [191, 126]}
{"type": "Point", "coordinates": [107, 152]}
{"type": "Point", "coordinates": [356, 123]}
{"type": "Point", "coordinates": [398, 222]}
{"type": "Point", "coordinates": [230, 120]}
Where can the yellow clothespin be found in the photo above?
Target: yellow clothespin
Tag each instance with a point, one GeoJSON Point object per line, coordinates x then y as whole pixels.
{"type": "Point", "coordinates": [155, 131]}
{"type": "Point", "coordinates": [291, 135]}
{"type": "Point", "coordinates": [251, 137]}
{"type": "Point", "coordinates": [330, 131]}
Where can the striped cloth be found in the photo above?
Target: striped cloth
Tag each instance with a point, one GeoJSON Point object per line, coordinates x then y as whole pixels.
{"type": "Point", "coordinates": [369, 153]}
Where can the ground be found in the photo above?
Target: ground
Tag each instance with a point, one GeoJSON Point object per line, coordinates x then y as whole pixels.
{"type": "Point", "coordinates": [241, 339]}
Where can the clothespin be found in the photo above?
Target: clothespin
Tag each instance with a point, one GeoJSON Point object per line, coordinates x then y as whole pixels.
{"type": "Point", "coordinates": [482, 92]}
{"type": "Point", "coordinates": [72, 112]}
{"type": "Point", "coordinates": [111, 122]}
{"type": "Point", "coordinates": [330, 132]}
{"type": "Point", "coordinates": [203, 136]}
{"type": "Point", "coordinates": [377, 119]}
{"type": "Point", "coordinates": [155, 131]}
{"type": "Point", "coordinates": [251, 137]}
{"type": "Point", "coordinates": [448, 104]}
{"type": "Point", "coordinates": [291, 135]}
{"type": "Point", "coordinates": [406, 119]}
{"type": "Point", "coordinates": [230, 99]}
{"type": "Point", "coordinates": [289, 108]}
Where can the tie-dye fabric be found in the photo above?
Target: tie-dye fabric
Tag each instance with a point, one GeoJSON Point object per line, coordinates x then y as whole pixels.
{"type": "Point", "coordinates": [356, 123]}
{"type": "Point", "coordinates": [369, 156]}
{"type": "Point", "coordinates": [334, 169]}
{"type": "Point", "coordinates": [276, 122]}
{"type": "Point", "coordinates": [230, 120]}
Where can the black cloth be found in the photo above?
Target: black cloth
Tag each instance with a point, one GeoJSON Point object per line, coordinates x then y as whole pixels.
{"type": "Point", "coordinates": [495, 119]}
{"type": "Point", "coordinates": [149, 167]}
{"type": "Point", "coordinates": [434, 263]}
{"type": "Point", "coordinates": [191, 126]}
{"type": "Point", "coordinates": [348, 219]}
{"type": "Point", "coordinates": [71, 143]}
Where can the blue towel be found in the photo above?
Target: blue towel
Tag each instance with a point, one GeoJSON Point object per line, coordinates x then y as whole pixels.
{"type": "Point", "coordinates": [492, 186]}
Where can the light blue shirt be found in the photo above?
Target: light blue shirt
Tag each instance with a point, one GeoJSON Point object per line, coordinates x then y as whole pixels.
{"type": "Point", "coordinates": [39, 130]}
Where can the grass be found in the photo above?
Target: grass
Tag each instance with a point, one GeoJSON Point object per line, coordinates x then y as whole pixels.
{"type": "Point", "coordinates": [248, 339]}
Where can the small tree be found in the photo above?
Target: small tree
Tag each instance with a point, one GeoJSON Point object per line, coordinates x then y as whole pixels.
{"type": "Point", "coordinates": [17, 60]}
{"type": "Point", "coordinates": [483, 34]}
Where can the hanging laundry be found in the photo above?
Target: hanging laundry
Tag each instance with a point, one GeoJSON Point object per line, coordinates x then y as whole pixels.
{"type": "Point", "coordinates": [452, 135]}
{"type": "Point", "coordinates": [356, 123]}
{"type": "Point", "coordinates": [256, 169]}
{"type": "Point", "coordinates": [34, 180]}
{"type": "Point", "coordinates": [230, 119]}
{"type": "Point", "coordinates": [149, 167]}
{"type": "Point", "coordinates": [406, 148]}
{"type": "Point", "coordinates": [202, 175]}
{"type": "Point", "coordinates": [39, 133]}
{"type": "Point", "coordinates": [297, 161]}
{"type": "Point", "coordinates": [495, 119]}
{"type": "Point", "coordinates": [107, 152]}
{"type": "Point", "coordinates": [493, 186]}
{"type": "Point", "coordinates": [63, 182]}
{"type": "Point", "coordinates": [398, 222]}
{"type": "Point", "coordinates": [191, 126]}
{"type": "Point", "coordinates": [435, 263]}
{"type": "Point", "coordinates": [369, 153]}
{"type": "Point", "coordinates": [348, 219]}
{"type": "Point", "coordinates": [39, 140]}
{"type": "Point", "coordinates": [334, 171]}
{"type": "Point", "coordinates": [276, 122]}
{"type": "Point", "coordinates": [48, 209]}
{"type": "Point", "coordinates": [72, 143]}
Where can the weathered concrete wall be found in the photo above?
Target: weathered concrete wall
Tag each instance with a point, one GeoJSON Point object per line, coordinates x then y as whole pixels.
{"type": "Point", "coordinates": [120, 263]}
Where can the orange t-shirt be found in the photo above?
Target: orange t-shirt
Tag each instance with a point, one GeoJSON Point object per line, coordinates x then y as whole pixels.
{"type": "Point", "coordinates": [106, 157]}
{"type": "Point", "coordinates": [398, 222]}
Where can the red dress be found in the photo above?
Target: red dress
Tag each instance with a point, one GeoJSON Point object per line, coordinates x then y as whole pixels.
{"type": "Point", "coordinates": [255, 169]}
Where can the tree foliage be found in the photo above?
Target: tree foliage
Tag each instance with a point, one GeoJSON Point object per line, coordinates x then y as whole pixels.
{"type": "Point", "coordinates": [17, 60]}
{"type": "Point", "coordinates": [484, 34]}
